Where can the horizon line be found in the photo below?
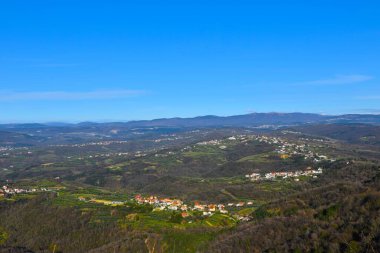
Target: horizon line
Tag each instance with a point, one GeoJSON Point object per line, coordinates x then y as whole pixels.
{"type": "Point", "coordinates": [75, 122]}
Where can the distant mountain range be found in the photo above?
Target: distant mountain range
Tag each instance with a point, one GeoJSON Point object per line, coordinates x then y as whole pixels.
{"type": "Point", "coordinates": [247, 120]}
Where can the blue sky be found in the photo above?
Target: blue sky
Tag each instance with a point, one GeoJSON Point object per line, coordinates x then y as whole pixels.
{"type": "Point", "coordinates": [69, 60]}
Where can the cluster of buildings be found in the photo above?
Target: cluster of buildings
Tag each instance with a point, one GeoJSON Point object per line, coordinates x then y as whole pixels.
{"type": "Point", "coordinates": [168, 204]}
{"type": "Point", "coordinates": [140, 154]}
{"type": "Point", "coordinates": [268, 139]}
{"type": "Point", "coordinates": [173, 137]}
{"type": "Point", "coordinates": [222, 142]}
{"type": "Point", "coordinates": [99, 143]}
{"type": "Point", "coordinates": [205, 209]}
{"type": "Point", "coordinates": [136, 154]}
{"type": "Point", "coordinates": [285, 174]}
{"type": "Point", "coordinates": [10, 148]}
{"type": "Point", "coordinates": [240, 204]}
{"type": "Point", "coordinates": [241, 138]}
{"type": "Point", "coordinates": [212, 142]}
{"type": "Point", "coordinates": [6, 190]}
{"type": "Point", "coordinates": [98, 156]}
{"type": "Point", "coordinates": [175, 205]}
{"type": "Point", "coordinates": [208, 209]}
{"type": "Point", "coordinates": [5, 149]}
{"type": "Point", "coordinates": [161, 203]}
{"type": "Point", "coordinates": [300, 149]}
{"type": "Point", "coordinates": [178, 205]}
{"type": "Point", "coordinates": [286, 149]}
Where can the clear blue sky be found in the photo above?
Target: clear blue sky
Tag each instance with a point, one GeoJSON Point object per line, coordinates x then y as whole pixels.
{"type": "Point", "coordinates": [66, 60]}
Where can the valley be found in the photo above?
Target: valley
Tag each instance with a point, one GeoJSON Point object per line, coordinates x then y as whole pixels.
{"type": "Point", "coordinates": [182, 189]}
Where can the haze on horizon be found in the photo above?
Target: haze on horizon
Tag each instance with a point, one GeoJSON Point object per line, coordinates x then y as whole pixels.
{"type": "Point", "coordinates": [117, 61]}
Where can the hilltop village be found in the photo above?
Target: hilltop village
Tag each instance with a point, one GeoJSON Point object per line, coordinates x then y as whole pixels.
{"type": "Point", "coordinates": [179, 205]}
{"type": "Point", "coordinates": [170, 204]}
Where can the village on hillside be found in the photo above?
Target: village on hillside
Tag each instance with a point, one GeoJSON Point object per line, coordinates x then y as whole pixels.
{"type": "Point", "coordinates": [170, 204]}
{"type": "Point", "coordinates": [285, 174]}
{"type": "Point", "coordinates": [7, 190]}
